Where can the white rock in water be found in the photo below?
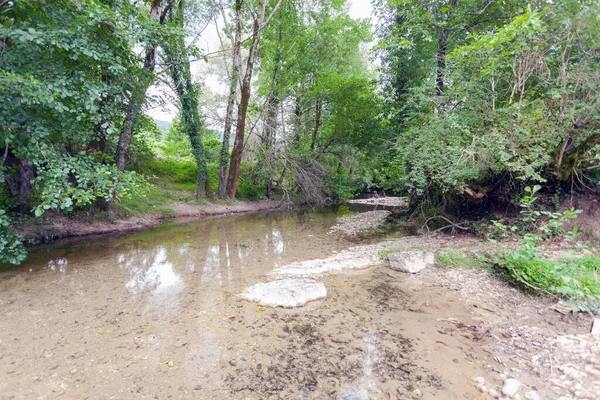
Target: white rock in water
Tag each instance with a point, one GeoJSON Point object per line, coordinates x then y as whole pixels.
{"type": "Point", "coordinates": [511, 387]}
{"type": "Point", "coordinates": [348, 259]}
{"type": "Point", "coordinates": [411, 261]}
{"type": "Point", "coordinates": [287, 293]}
{"type": "Point", "coordinates": [532, 395]}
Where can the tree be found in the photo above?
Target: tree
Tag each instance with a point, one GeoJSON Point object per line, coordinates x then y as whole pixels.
{"type": "Point", "coordinates": [516, 104]}
{"type": "Point", "coordinates": [179, 70]}
{"type": "Point", "coordinates": [65, 66]}
{"type": "Point", "coordinates": [258, 25]}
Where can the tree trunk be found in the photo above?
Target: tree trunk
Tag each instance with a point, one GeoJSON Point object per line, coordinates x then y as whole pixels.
{"type": "Point", "coordinates": [442, 50]}
{"type": "Point", "coordinates": [238, 146]}
{"type": "Point", "coordinates": [441, 61]}
{"type": "Point", "coordinates": [298, 114]}
{"type": "Point", "coordinates": [138, 97]}
{"type": "Point", "coordinates": [318, 112]}
{"type": "Point", "coordinates": [181, 76]}
{"type": "Point", "coordinates": [235, 76]}
{"type": "Point", "coordinates": [26, 174]}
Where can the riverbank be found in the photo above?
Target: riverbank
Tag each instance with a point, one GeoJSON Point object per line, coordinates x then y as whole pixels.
{"type": "Point", "coordinates": [59, 226]}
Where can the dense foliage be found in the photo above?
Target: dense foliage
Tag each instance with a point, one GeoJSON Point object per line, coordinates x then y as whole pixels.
{"type": "Point", "coordinates": [488, 96]}
{"type": "Point", "coordinates": [65, 70]}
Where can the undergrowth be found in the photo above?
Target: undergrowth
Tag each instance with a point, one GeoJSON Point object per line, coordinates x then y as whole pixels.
{"type": "Point", "coordinates": [569, 276]}
{"type": "Point", "coordinates": [453, 259]}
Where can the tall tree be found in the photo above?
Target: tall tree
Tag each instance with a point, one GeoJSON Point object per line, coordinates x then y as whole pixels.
{"type": "Point", "coordinates": [138, 93]}
{"type": "Point", "coordinates": [233, 87]}
{"type": "Point", "coordinates": [179, 70]}
{"type": "Point", "coordinates": [258, 25]}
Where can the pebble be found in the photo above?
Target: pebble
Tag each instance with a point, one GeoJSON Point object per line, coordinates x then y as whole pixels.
{"type": "Point", "coordinates": [532, 395]}
{"type": "Point", "coordinates": [479, 380]}
{"type": "Point", "coordinates": [511, 387]}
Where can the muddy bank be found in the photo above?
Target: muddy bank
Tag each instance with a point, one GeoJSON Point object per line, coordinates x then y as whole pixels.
{"type": "Point", "coordinates": [60, 226]}
{"type": "Point", "coordinates": [546, 348]}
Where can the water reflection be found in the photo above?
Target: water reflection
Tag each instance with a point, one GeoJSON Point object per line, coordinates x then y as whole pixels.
{"type": "Point", "coordinates": [155, 273]}
{"type": "Point", "coordinates": [171, 265]}
{"type": "Point", "coordinates": [59, 265]}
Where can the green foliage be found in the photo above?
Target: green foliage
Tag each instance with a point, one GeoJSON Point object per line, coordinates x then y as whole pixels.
{"type": "Point", "coordinates": [515, 105]}
{"type": "Point", "coordinates": [68, 182]}
{"type": "Point", "coordinates": [571, 277]}
{"type": "Point", "coordinates": [172, 170]}
{"type": "Point", "coordinates": [311, 57]}
{"type": "Point", "coordinates": [144, 143]}
{"type": "Point", "coordinates": [247, 189]}
{"type": "Point", "coordinates": [536, 226]}
{"type": "Point", "coordinates": [175, 142]}
{"type": "Point", "coordinates": [12, 250]}
{"type": "Point", "coordinates": [69, 69]}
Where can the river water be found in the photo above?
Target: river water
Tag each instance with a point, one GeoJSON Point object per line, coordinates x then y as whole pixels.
{"type": "Point", "coordinates": [157, 314]}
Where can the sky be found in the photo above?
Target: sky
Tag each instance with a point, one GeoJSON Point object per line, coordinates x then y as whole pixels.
{"type": "Point", "coordinates": [358, 9]}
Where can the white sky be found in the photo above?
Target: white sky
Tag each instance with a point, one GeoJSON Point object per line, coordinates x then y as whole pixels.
{"type": "Point", "coordinates": [359, 9]}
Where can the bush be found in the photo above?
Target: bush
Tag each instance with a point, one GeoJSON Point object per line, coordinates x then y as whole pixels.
{"type": "Point", "coordinates": [572, 277]}
{"type": "Point", "coordinates": [246, 188]}
{"type": "Point", "coordinates": [178, 171]}
{"type": "Point", "coordinates": [12, 250]}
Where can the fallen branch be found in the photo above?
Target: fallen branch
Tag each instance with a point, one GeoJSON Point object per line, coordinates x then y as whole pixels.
{"type": "Point", "coordinates": [452, 224]}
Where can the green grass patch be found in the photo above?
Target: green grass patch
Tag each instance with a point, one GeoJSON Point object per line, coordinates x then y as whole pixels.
{"type": "Point", "coordinates": [454, 259]}
{"type": "Point", "coordinates": [383, 254]}
{"type": "Point", "coordinates": [572, 277]}
{"type": "Point", "coordinates": [451, 259]}
{"type": "Point", "coordinates": [146, 200]}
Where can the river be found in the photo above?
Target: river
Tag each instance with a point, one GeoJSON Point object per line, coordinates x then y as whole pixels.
{"type": "Point", "coordinates": [157, 314]}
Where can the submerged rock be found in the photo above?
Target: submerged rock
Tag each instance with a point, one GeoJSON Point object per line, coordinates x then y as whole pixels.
{"type": "Point", "coordinates": [287, 293]}
{"type": "Point", "coordinates": [411, 261]}
{"type": "Point", "coordinates": [345, 260]}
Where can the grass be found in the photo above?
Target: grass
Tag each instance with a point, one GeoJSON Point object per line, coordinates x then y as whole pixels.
{"type": "Point", "coordinates": [149, 199]}
{"type": "Point", "coordinates": [453, 259]}
{"type": "Point", "coordinates": [573, 277]}
{"type": "Point", "coordinates": [383, 254]}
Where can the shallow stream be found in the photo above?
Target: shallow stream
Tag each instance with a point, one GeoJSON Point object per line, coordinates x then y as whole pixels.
{"type": "Point", "coordinates": [157, 314]}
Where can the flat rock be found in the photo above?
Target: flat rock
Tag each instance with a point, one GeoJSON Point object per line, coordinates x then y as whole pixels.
{"type": "Point", "coordinates": [411, 261]}
{"type": "Point", "coordinates": [511, 387]}
{"type": "Point", "coordinates": [596, 327]}
{"type": "Point", "coordinates": [345, 260]}
{"type": "Point", "coordinates": [286, 293]}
